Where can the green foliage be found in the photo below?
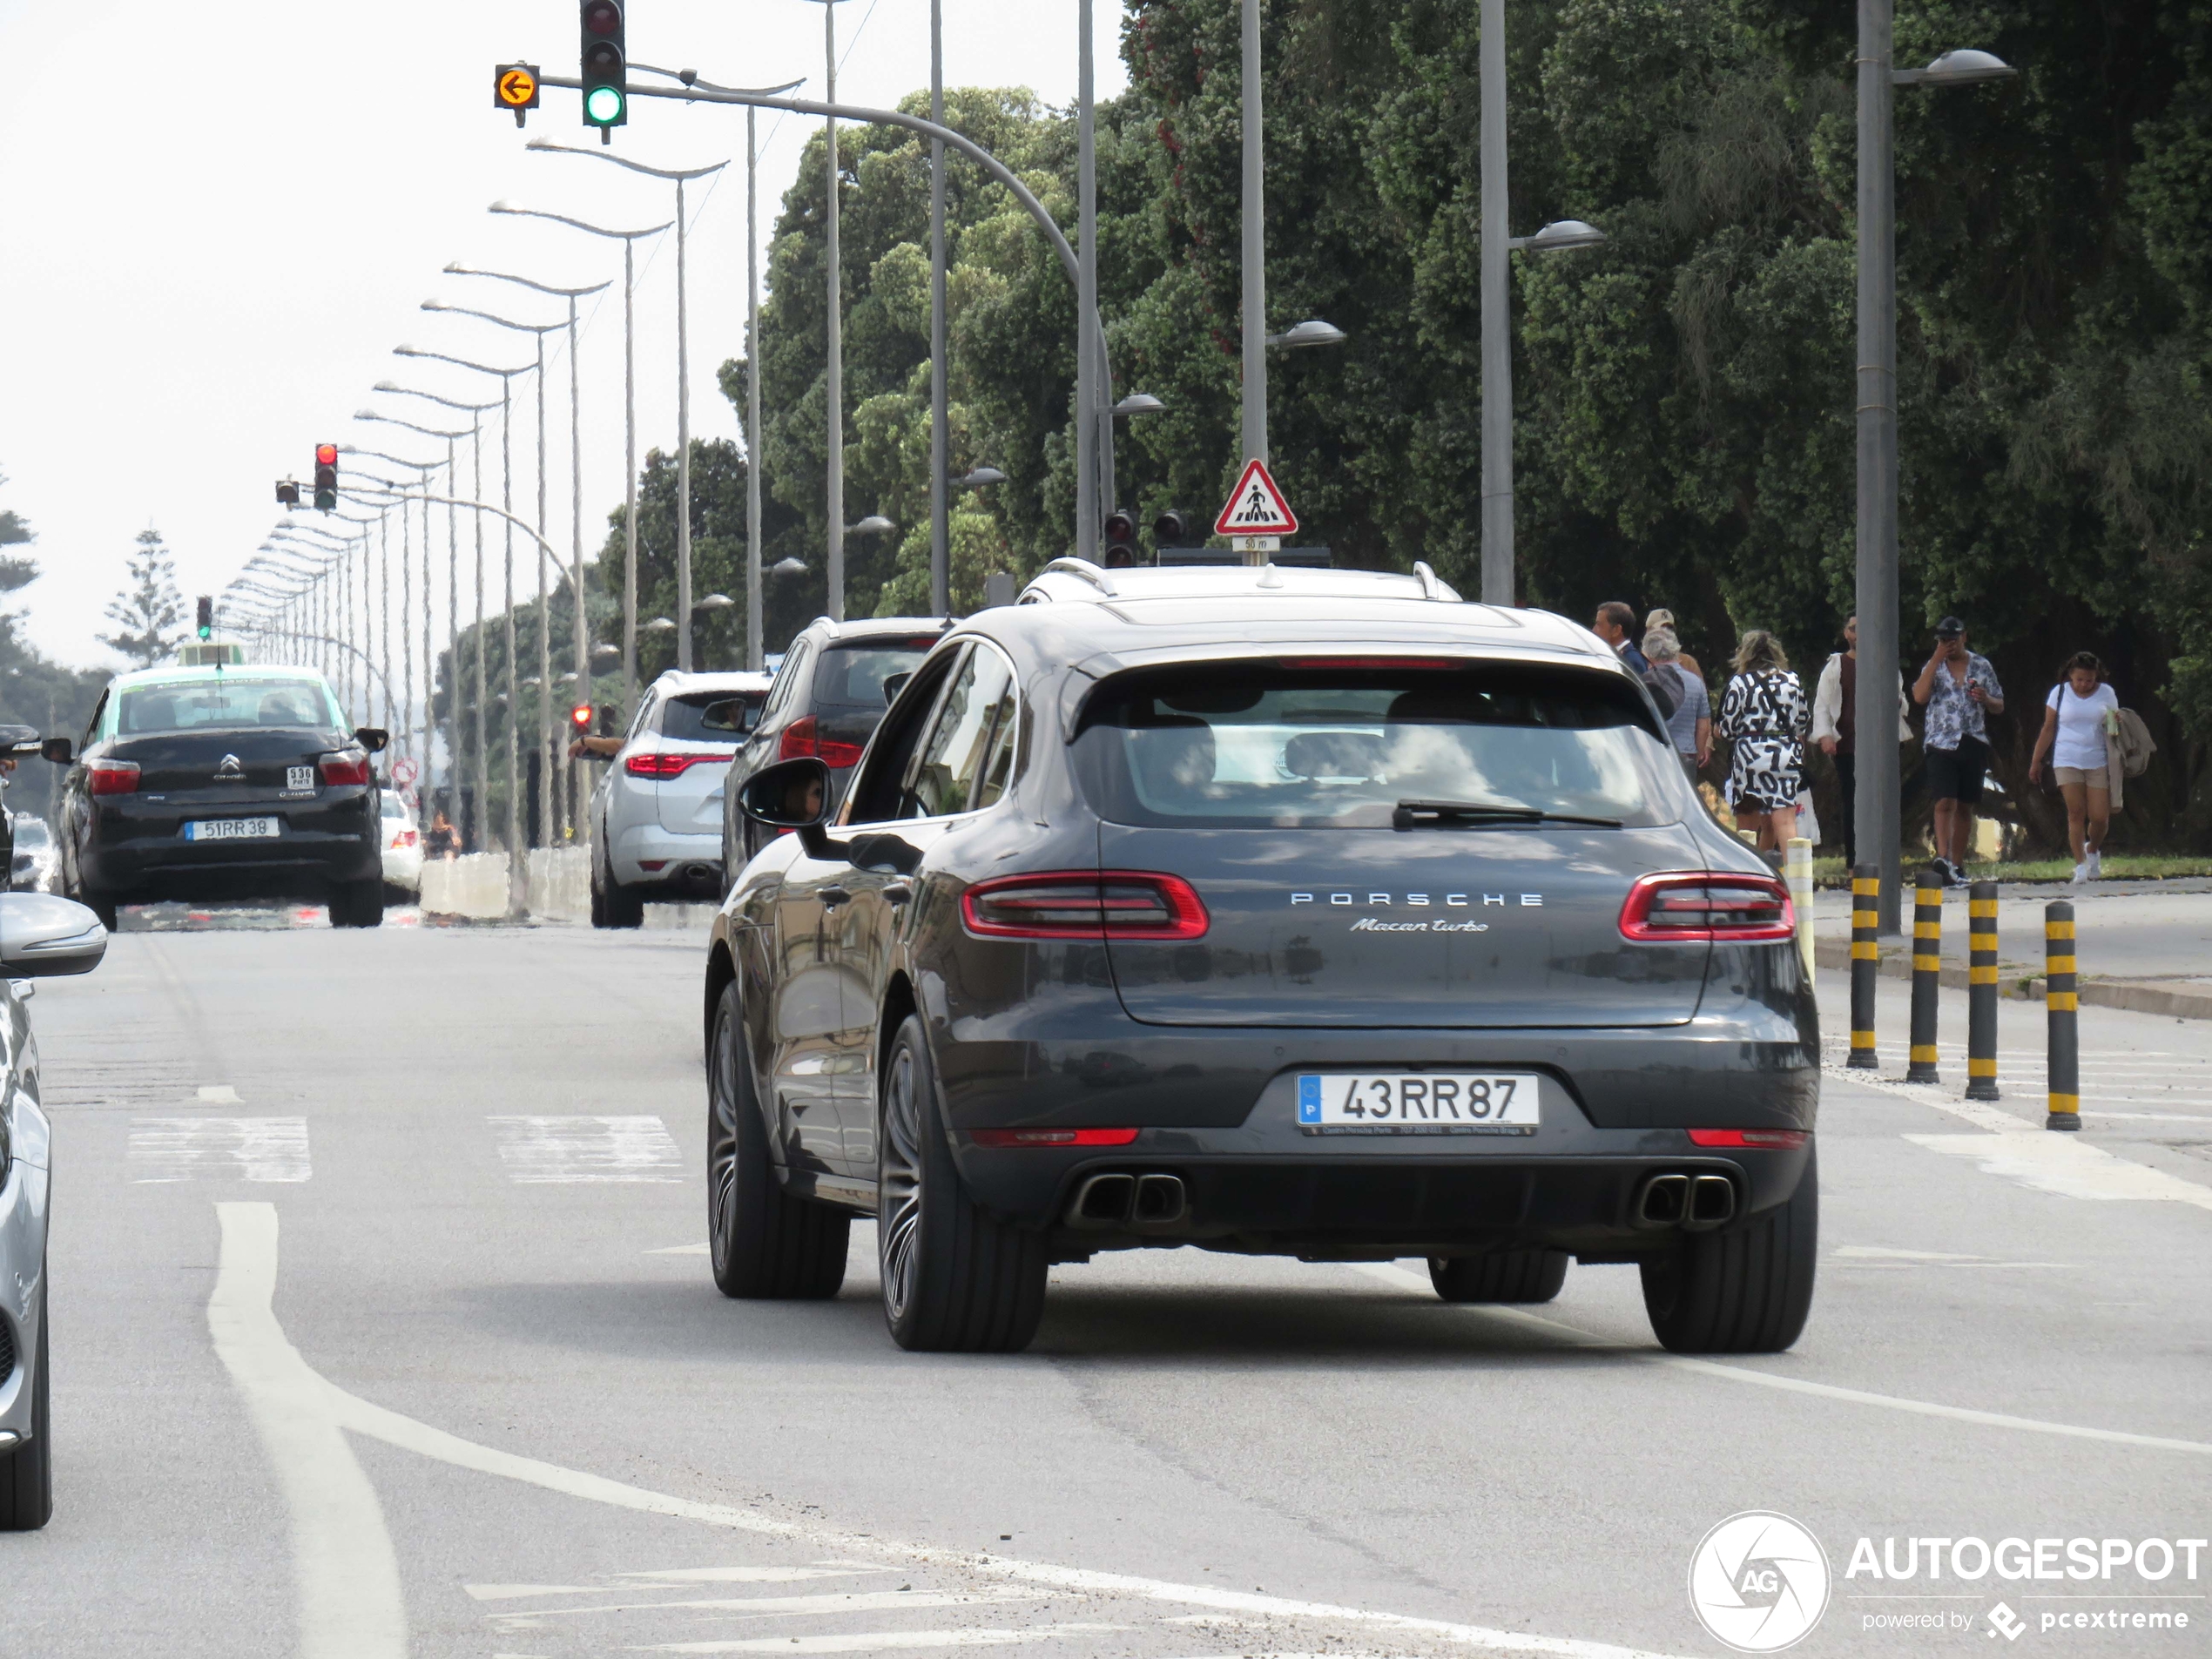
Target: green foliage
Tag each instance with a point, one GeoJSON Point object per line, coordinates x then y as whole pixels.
{"type": "Point", "coordinates": [149, 613]}
{"type": "Point", "coordinates": [34, 690]}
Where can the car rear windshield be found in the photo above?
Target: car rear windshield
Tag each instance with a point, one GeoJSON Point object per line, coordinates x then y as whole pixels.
{"type": "Point", "coordinates": [225, 705]}
{"type": "Point", "coordinates": [709, 716]}
{"type": "Point", "coordinates": [1292, 746]}
{"type": "Point", "coordinates": [850, 676]}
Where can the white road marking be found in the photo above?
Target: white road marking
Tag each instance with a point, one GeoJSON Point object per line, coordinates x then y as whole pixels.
{"type": "Point", "coordinates": [882, 1640]}
{"type": "Point", "coordinates": [247, 1277]}
{"type": "Point", "coordinates": [675, 1575]}
{"type": "Point", "coordinates": [516, 1592]}
{"type": "Point", "coordinates": [218, 1149]}
{"type": "Point", "coordinates": [217, 1095]}
{"type": "Point", "coordinates": [349, 1579]}
{"type": "Point", "coordinates": [1391, 1273]}
{"type": "Point", "coordinates": [540, 1150]}
{"type": "Point", "coordinates": [805, 1606]}
{"type": "Point", "coordinates": [698, 1249]}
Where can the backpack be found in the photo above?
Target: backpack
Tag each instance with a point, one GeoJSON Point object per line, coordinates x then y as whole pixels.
{"type": "Point", "coordinates": [2132, 740]}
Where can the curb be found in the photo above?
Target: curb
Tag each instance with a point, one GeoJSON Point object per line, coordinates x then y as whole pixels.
{"type": "Point", "coordinates": [1897, 963]}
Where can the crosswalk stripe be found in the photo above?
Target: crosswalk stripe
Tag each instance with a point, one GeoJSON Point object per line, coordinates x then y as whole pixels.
{"type": "Point", "coordinates": [880, 1640]}
{"type": "Point", "coordinates": [162, 1150]}
{"type": "Point", "coordinates": [788, 1605]}
{"type": "Point", "coordinates": [541, 1150]}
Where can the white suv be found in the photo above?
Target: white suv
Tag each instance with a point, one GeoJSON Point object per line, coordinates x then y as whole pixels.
{"type": "Point", "coordinates": [656, 813]}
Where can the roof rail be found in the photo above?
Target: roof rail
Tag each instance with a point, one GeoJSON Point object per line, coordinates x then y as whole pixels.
{"type": "Point", "coordinates": [1084, 570]}
{"type": "Point", "coordinates": [1431, 587]}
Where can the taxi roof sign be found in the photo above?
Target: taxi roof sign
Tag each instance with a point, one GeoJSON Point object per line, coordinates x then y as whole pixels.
{"type": "Point", "coordinates": [1256, 507]}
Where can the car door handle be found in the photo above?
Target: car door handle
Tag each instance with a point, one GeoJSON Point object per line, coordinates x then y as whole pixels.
{"type": "Point", "coordinates": [897, 894]}
{"type": "Point", "coordinates": [832, 897]}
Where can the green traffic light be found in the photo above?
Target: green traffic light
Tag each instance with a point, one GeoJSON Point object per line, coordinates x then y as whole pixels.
{"type": "Point", "coordinates": [603, 106]}
{"type": "Point", "coordinates": [207, 633]}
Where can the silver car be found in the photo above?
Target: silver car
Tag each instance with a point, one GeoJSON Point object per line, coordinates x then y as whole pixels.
{"type": "Point", "coordinates": [40, 935]}
{"type": "Point", "coordinates": [657, 813]}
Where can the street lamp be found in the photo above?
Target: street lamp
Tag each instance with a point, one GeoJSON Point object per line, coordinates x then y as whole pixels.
{"type": "Point", "coordinates": [979, 478]}
{"type": "Point", "coordinates": [1560, 233]}
{"type": "Point", "coordinates": [873, 524]}
{"type": "Point", "coordinates": [834, 536]}
{"type": "Point", "coordinates": [629, 241]}
{"type": "Point", "coordinates": [1139, 403]}
{"type": "Point", "coordinates": [1878, 783]}
{"type": "Point", "coordinates": [1313, 333]}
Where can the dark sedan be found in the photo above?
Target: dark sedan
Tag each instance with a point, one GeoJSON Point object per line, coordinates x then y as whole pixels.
{"type": "Point", "coordinates": [224, 783]}
{"type": "Point", "coordinates": [1337, 927]}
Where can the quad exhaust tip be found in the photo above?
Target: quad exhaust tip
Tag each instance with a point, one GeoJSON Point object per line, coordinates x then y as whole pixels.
{"type": "Point", "coordinates": [1694, 1203]}
{"type": "Point", "coordinates": [1116, 1201]}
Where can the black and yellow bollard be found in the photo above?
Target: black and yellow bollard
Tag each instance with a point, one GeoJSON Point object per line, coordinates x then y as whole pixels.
{"type": "Point", "coordinates": [2060, 1003]}
{"type": "Point", "coordinates": [1927, 980]}
{"type": "Point", "coordinates": [1865, 962]}
{"type": "Point", "coordinates": [1981, 991]}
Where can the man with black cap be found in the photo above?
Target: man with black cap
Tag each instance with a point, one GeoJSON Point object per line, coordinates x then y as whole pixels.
{"type": "Point", "coordinates": [1960, 690]}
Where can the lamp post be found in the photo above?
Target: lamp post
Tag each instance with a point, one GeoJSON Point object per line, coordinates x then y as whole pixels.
{"type": "Point", "coordinates": [681, 176]}
{"type": "Point", "coordinates": [424, 470]}
{"type": "Point", "coordinates": [505, 376]}
{"type": "Point", "coordinates": [833, 179]}
{"type": "Point", "coordinates": [581, 622]}
{"type": "Point", "coordinates": [1878, 810]}
{"type": "Point", "coordinates": [629, 239]}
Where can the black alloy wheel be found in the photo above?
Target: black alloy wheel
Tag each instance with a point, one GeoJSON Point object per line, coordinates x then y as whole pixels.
{"type": "Point", "coordinates": [1500, 1276]}
{"type": "Point", "coordinates": [763, 1243]}
{"type": "Point", "coordinates": [1746, 1289]}
{"type": "Point", "coordinates": [955, 1279]}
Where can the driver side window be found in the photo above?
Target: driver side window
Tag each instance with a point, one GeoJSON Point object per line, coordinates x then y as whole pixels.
{"type": "Point", "coordinates": [943, 780]}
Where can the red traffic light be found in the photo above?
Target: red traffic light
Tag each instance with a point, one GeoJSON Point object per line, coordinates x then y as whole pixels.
{"type": "Point", "coordinates": [580, 718]}
{"type": "Point", "coordinates": [325, 455]}
{"type": "Point", "coordinates": [601, 18]}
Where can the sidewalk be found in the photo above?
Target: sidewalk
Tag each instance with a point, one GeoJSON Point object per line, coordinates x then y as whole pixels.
{"type": "Point", "coordinates": [2145, 946]}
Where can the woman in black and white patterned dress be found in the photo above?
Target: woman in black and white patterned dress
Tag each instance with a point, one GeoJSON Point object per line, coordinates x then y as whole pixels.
{"type": "Point", "coordinates": [1765, 715]}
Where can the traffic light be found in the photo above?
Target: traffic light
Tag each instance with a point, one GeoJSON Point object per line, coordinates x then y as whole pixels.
{"type": "Point", "coordinates": [1121, 541]}
{"type": "Point", "coordinates": [326, 477]}
{"type": "Point", "coordinates": [606, 66]}
{"type": "Point", "coordinates": [1173, 529]}
{"type": "Point", "coordinates": [580, 719]}
{"type": "Point", "coordinates": [288, 492]}
{"type": "Point", "coordinates": [206, 617]}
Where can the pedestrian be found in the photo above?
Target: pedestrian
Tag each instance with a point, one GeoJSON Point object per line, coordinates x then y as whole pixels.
{"type": "Point", "coordinates": [1765, 715]}
{"type": "Point", "coordinates": [1615, 623]}
{"type": "Point", "coordinates": [2076, 717]}
{"type": "Point", "coordinates": [1960, 690]}
{"type": "Point", "coordinates": [1692, 724]}
{"type": "Point", "coordinates": [439, 841]}
{"type": "Point", "coordinates": [1835, 728]}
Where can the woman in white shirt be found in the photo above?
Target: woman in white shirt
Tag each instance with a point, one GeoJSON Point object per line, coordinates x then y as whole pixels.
{"type": "Point", "coordinates": [2074, 720]}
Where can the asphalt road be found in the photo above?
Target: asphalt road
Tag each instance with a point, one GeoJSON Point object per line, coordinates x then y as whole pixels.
{"type": "Point", "coordinates": [381, 1326]}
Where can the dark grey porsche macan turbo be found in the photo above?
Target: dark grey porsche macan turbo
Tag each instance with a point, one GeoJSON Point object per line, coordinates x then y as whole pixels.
{"type": "Point", "coordinates": [1305, 914]}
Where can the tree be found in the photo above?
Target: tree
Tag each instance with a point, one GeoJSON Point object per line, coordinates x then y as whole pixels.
{"type": "Point", "coordinates": [33, 691]}
{"type": "Point", "coordinates": [149, 613]}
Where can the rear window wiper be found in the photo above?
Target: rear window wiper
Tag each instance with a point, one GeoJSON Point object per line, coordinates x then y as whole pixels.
{"type": "Point", "coordinates": [1411, 814]}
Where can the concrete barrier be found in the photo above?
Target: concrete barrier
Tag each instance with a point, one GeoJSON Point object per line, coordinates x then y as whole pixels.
{"type": "Point", "coordinates": [473, 886]}
{"type": "Point", "coordinates": [560, 884]}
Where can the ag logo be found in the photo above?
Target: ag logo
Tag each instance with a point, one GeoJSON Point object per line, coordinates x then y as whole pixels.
{"type": "Point", "coordinates": [1758, 1581]}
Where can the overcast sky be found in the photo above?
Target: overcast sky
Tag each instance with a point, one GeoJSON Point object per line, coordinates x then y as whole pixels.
{"type": "Point", "coordinates": [215, 224]}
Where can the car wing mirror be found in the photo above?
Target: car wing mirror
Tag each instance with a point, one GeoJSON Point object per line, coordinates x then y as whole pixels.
{"type": "Point", "coordinates": [894, 684]}
{"type": "Point", "coordinates": [375, 738]}
{"type": "Point", "coordinates": [43, 936]}
{"type": "Point", "coordinates": [57, 750]}
{"type": "Point", "coordinates": [792, 795]}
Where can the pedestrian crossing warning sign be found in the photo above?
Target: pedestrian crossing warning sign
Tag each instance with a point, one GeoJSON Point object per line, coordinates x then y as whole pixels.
{"type": "Point", "coordinates": [1256, 507]}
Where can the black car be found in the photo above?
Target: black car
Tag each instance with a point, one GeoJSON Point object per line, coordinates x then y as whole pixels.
{"type": "Point", "coordinates": [826, 703]}
{"type": "Point", "coordinates": [224, 783]}
{"type": "Point", "coordinates": [1347, 929]}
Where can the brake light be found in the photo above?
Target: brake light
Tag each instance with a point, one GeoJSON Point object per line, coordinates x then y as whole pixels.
{"type": "Point", "coordinates": [1373, 662]}
{"type": "Point", "coordinates": [1783, 1140]}
{"type": "Point", "coordinates": [672, 765]}
{"type": "Point", "coordinates": [1052, 1137]}
{"type": "Point", "coordinates": [349, 767]}
{"type": "Point", "coordinates": [1735, 909]}
{"type": "Point", "coordinates": [113, 777]}
{"type": "Point", "coordinates": [802, 738]}
{"type": "Point", "coordinates": [1084, 904]}
{"type": "Point", "coordinates": [403, 838]}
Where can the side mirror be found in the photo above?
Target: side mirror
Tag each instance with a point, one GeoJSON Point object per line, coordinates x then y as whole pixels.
{"type": "Point", "coordinates": [894, 684]}
{"type": "Point", "coordinates": [792, 794]}
{"type": "Point", "coordinates": [43, 936]}
{"type": "Point", "coordinates": [58, 750]}
{"type": "Point", "coordinates": [375, 738]}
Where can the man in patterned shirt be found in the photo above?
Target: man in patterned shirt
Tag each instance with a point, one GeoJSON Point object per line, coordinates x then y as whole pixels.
{"type": "Point", "coordinates": [1960, 690]}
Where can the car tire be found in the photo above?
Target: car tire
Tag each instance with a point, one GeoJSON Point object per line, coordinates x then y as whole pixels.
{"type": "Point", "coordinates": [614, 905]}
{"type": "Point", "coordinates": [358, 903]}
{"type": "Point", "coordinates": [955, 1279]}
{"type": "Point", "coordinates": [1500, 1276]}
{"type": "Point", "coordinates": [27, 1473]}
{"type": "Point", "coordinates": [1744, 1290]}
{"type": "Point", "coordinates": [761, 1241]}
{"type": "Point", "coordinates": [100, 904]}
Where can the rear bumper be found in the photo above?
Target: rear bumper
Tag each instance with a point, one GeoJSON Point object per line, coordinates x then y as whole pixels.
{"type": "Point", "coordinates": [303, 863]}
{"type": "Point", "coordinates": [687, 863]}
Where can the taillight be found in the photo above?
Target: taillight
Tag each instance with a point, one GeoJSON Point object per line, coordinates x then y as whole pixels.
{"type": "Point", "coordinates": [1740, 909]}
{"type": "Point", "coordinates": [1084, 904]}
{"type": "Point", "coordinates": [1052, 1137]}
{"type": "Point", "coordinates": [672, 766]}
{"type": "Point", "coordinates": [402, 837]}
{"type": "Point", "coordinates": [1784, 1140]}
{"type": "Point", "coordinates": [349, 767]}
{"type": "Point", "coordinates": [803, 739]}
{"type": "Point", "coordinates": [113, 777]}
